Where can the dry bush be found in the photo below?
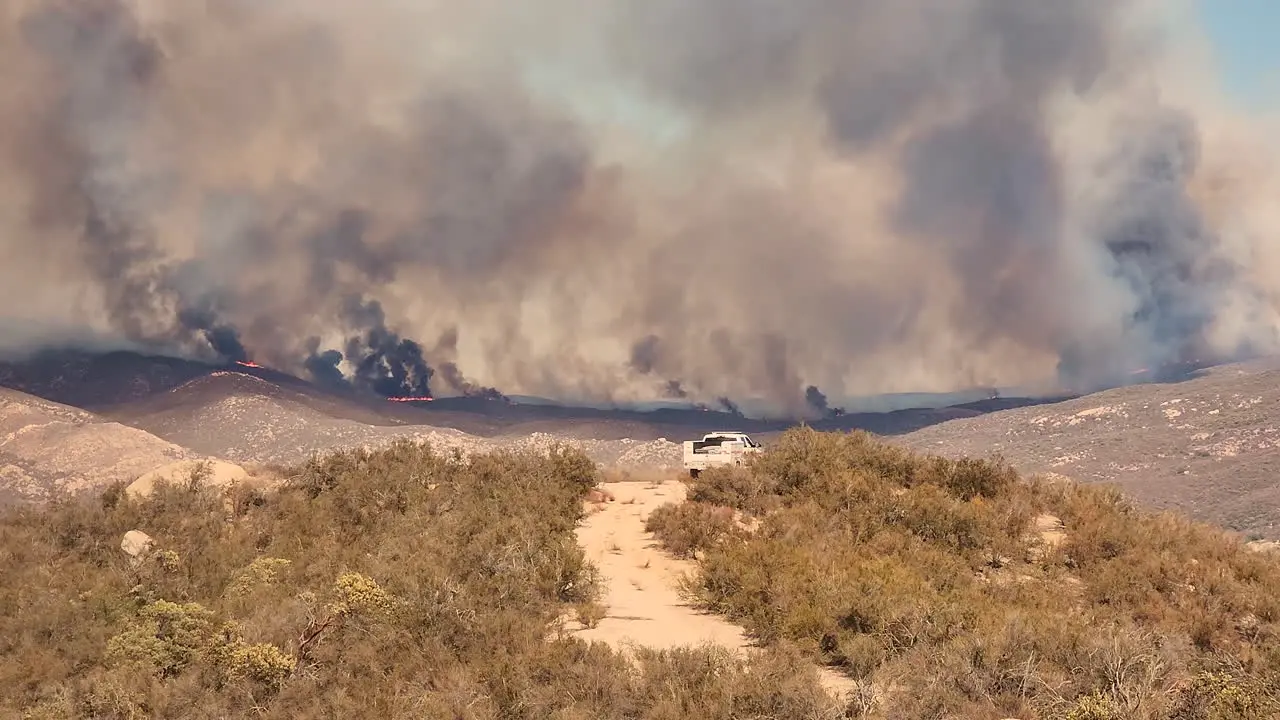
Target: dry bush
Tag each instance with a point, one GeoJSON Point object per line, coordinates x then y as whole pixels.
{"type": "Point", "coordinates": [735, 487]}
{"type": "Point", "coordinates": [689, 527]}
{"type": "Point", "coordinates": [399, 584]}
{"type": "Point", "coordinates": [925, 578]}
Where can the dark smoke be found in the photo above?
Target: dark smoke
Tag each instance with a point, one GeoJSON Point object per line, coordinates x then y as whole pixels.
{"type": "Point", "coordinates": [817, 400]}
{"type": "Point", "coordinates": [449, 372]}
{"type": "Point", "coordinates": [323, 366]}
{"type": "Point", "coordinates": [384, 362]}
{"type": "Point", "coordinates": [224, 340]}
{"type": "Point", "coordinates": [771, 197]}
{"type": "Point", "coordinates": [730, 407]}
{"type": "Point", "coordinates": [646, 359]}
{"type": "Point", "coordinates": [447, 347]}
{"type": "Point", "coordinates": [645, 354]}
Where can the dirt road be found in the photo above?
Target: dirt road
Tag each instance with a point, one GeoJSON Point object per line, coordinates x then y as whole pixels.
{"type": "Point", "coordinates": [644, 606]}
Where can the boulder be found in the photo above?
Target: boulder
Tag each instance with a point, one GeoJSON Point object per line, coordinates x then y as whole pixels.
{"type": "Point", "coordinates": [136, 543]}
{"type": "Point", "coordinates": [221, 474]}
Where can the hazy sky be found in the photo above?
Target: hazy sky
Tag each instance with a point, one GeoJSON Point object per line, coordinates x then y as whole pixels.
{"type": "Point", "coordinates": [1246, 34]}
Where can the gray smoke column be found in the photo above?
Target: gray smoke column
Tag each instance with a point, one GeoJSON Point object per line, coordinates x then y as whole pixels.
{"type": "Point", "coordinates": [445, 351]}
{"type": "Point", "coordinates": [730, 201]}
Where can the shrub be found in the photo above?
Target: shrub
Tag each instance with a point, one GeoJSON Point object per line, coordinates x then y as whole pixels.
{"type": "Point", "coordinates": [734, 487]}
{"type": "Point", "coordinates": [396, 583]}
{"type": "Point", "coordinates": [689, 527]}
{"type": "Point", "coordinates": [925, 578]}
{"type": "Point", "coordinates": [408, 583]}
{"type": "Point", "coordinates": [166, 636]}
{"type": "Point", "coordinates": [1222, 696]}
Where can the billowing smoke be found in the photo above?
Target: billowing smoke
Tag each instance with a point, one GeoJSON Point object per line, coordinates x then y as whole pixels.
{"type": "Point", "coordinates": [818, 403]}
{"type": "Point", "coordinates": [445, 351]}
{"type": "Point", "coordinates": [382, 361]}
{"type": "Point", "coordinates": [224, 340]}
{"type": "Point", "coordinates": [730, 407]}
{"type": "Point", "coordinates": [816, 399]}
{"type": "Point", "coordinates": [324, 366]}
{"type": "Point", "coordinates": [719, 200]}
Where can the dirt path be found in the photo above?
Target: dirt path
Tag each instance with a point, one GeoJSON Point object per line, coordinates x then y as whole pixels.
{"type": "Point", "coordinates": [644, 607]}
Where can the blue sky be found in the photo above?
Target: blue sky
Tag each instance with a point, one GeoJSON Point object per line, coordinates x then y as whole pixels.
{"type": "Point", "coordinates": [1246, 38]}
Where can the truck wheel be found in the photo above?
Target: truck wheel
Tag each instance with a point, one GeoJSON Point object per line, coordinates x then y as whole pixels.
{"type": "Point", "coordinates": [693, 474]}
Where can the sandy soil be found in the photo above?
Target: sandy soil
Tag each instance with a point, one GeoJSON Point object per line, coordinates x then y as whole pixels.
{"type": "Point", "coordinates": [644, 606]}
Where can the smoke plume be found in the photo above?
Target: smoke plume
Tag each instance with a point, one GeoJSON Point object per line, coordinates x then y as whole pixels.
{"type": "Point", "coordinates": [724, 200]}
{"type": "Point", "coordinates": [817, 401]}
{"type": "Point", "coordinates": [445, 351]}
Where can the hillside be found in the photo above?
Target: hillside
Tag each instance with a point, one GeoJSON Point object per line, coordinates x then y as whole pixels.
{"type": "Point", "coordinates": [96, 381]}
{"type": "Point", "coordinates": [397, 585]}
{"type": "Point", "coordinates": [957, 589]}
{"type": "Point", "coordinates": [1205, 452]}
{"type": "Point", "coordinates": [127, 385]}
{"type": "Point", "coordinates": [47, 449]}
{"type": "Point", "coordinates": [1206, 446]}
{"type": "Point", "coordinates": [245, 418]}
{"type": "Point", "coordinates": [260, 415]}
{"type": "Point", "coordinates": [252, 415]}
{"type": "Point", "coordinates": [851, 579]}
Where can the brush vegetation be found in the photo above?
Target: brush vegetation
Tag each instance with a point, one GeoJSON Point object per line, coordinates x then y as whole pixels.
{"type": "Point", "coordinates": [391, 584]}
{"type": "Point", "coordinates": [407, 584]}
{"type": "Point", "coordinates": [948, 589]}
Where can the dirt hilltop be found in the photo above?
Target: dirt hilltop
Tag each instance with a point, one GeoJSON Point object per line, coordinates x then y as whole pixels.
{"type": "Point", "coordinates": [1203, 445]}
{"type": "Point", "coordinates": [47, 449]}
{"type": "Point", "coordinates": [1206, 446]}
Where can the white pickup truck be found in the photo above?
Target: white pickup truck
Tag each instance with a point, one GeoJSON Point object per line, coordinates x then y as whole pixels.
{"type": "Point", "coordinates": [717, 449]}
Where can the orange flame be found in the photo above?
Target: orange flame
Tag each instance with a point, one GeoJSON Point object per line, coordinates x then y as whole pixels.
{"type": "Point", "coordinates": [425, 398]}
{"type": "Point", "coordinates": [248, 364]}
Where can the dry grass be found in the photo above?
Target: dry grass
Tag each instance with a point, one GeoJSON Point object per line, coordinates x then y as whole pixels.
{"type": "Point", "coordinates": [927, 580]}
{"type": "Point", "coordinates": [396, 584]}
